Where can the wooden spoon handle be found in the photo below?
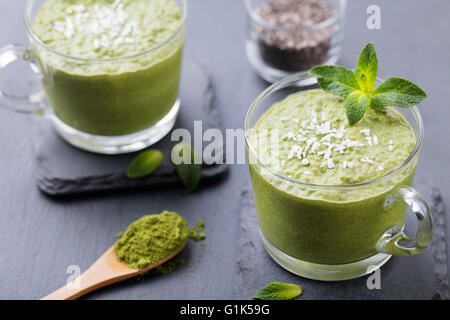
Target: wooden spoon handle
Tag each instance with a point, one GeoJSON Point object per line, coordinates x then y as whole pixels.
{"type": "Point", "coordinates": [107, 270]}
{"type": "Point", "coordinates": [74, 289]}
{"type": "Point", "coordinates": [87, 282]}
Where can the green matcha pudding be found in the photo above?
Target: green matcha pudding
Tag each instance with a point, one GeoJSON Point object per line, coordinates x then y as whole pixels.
{"type": "Point", "coordinates": [307, 140]}
{"type": "Point", "coordinates": [110, 67]}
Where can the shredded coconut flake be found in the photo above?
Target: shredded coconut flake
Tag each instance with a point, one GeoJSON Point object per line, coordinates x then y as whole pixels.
{"type": "Point", "coordinates": [367, 160]}
{"type": "Point", "coordinates": [303, 124]}
{"type": "Point", "coordinates": [288, 135]}
{"type": "Point", "coordinates": [312, 136]}
{"type": "Point", "coordinates": [327, 155]}
{"type": "Point", "coordinates": [299, 153]}
{"type": "Point", "coordinates": [340, 133]}
{"type": "Point", "coordinates": [311, 141]}
{"type": "Point", "coordinates": [108, 23]}
{"type": "Point", "coordinates": [315, 146]}
{"type": "Point", "coordinates": [340, 148]}
{"type": "Point", "coordinates": [314, 117]}
{"type": "Point", "coordinates": [330, 163]}
{"type": "Point", "coordinates": [301, 138]}
{"type": "Point", "coordinates": [351, 143]}
{"type": "Point", "coordinates": [375, 140]}
{"type": "Point", "coordinates": [324, 128]}
{"type": "Point", "coordinates": [69, 30]}
{"type": "Point", "coordinates": [294, 150]}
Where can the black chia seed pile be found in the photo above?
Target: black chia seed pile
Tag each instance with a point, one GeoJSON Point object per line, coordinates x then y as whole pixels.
{"type": "Point", "coordinates": [289, 48]}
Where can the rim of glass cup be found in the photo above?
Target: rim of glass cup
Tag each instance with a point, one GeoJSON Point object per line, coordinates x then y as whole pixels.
{"type": "Point", "coordinates": [28, 22]}
{"type": "Point", "coordinates": [252, 13]}
{"type": "Point", "coordinates": [292, 80]}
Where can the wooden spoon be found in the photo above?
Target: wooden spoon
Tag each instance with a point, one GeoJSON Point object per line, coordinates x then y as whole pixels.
{"type": "Point", "coordinates": [105, 271]}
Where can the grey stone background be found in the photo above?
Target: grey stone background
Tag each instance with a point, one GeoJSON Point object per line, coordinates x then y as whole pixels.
{"type": "Point", "coordinates": [40, 236]}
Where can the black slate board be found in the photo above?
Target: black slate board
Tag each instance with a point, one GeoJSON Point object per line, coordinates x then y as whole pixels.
{"type": "Point", "coordinates": [424, 276]}
{"type": "Point", "coordinates": [62, 169]}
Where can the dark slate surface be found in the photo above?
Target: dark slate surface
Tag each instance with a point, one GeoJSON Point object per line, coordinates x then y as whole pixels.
{"type": "Point", "coordinates": [62, 169]}
{"type": "Point", "coordinates": [41, 236]}
{"type": "Point", "coordinates": [422, 276]}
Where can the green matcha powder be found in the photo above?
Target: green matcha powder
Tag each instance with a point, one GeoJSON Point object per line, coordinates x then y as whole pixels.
{"type": "Point", "coordinates": [151, 239]}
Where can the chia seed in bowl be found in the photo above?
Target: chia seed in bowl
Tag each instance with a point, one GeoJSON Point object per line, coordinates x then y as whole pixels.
{"type": "Point", "coordinates": [288, 37]}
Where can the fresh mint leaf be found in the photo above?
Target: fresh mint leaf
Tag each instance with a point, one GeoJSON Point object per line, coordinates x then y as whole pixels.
{"type": "Point", "coordinates": [397, 92]}
{"type": "Point", "coordinates": [335, 79]}
{"type": "Point", "coordinates": [279, 291]}
{"type": "Point", "coordinates": [145, 164]}
{"type": "Point", "coordinates": [356, 105]}
{"type": "Point", "coordinates": [367, 68]}
{"type": "Point", "coordinates": [188, 165]}
{"type": "Point", "coordinates": [357, 86]}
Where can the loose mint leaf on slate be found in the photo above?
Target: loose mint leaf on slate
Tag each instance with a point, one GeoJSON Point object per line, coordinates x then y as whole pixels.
{"type": "Point", "coordinates": [367, 68]}
{"type": "Point", "coordinates": [397, 92]}
{"type": "Point", "coordinates": [356, 105]}
{"type": "Point", "coordinates": [335, 79]}
{"type": "Point", "coordinates": [189, 169]}
{"type": "Point", "coordinates": [145, 164]}
{"type": "Point", "coordinates": [279, 291]}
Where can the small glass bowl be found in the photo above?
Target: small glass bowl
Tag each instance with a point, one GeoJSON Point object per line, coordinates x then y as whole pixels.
{"type": "Point", "coordinates": [310, 46]}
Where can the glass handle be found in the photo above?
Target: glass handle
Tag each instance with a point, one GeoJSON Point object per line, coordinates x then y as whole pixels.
{"type": "Point", "coordinates": [32, 103]}
{"type": "Point", "coordinates": [394, 241]}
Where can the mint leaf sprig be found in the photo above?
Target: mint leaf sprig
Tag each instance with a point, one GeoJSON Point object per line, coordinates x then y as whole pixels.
{"type": "Point", "coordinates": [357, 86]}
{"type": "Point", "coordinates": [145, 164]}
{"type": "Point", "coordinates": [279, 291]}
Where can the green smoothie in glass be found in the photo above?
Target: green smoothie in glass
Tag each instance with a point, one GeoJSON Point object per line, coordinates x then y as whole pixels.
{"type": "Point", "coordinates": [332, 178]}
{"type": "Point", "coordinates": [318, 146]}
{"type": "Point", "coordinates": [110, 69]}
{"type": "Point", "coordinates": [110, 98]}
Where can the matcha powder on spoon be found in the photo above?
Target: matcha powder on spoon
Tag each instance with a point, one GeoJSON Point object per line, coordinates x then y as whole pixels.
{"type": "Point", "coordinates": [151, 239]}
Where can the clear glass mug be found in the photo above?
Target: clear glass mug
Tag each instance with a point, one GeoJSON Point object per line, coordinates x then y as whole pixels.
{"type": "Point", "coordinates": [273, 62]}
{"type": "Point", "coordinates": [328, 232]}
{"type": "Point", "coordinates": [111, 105]}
